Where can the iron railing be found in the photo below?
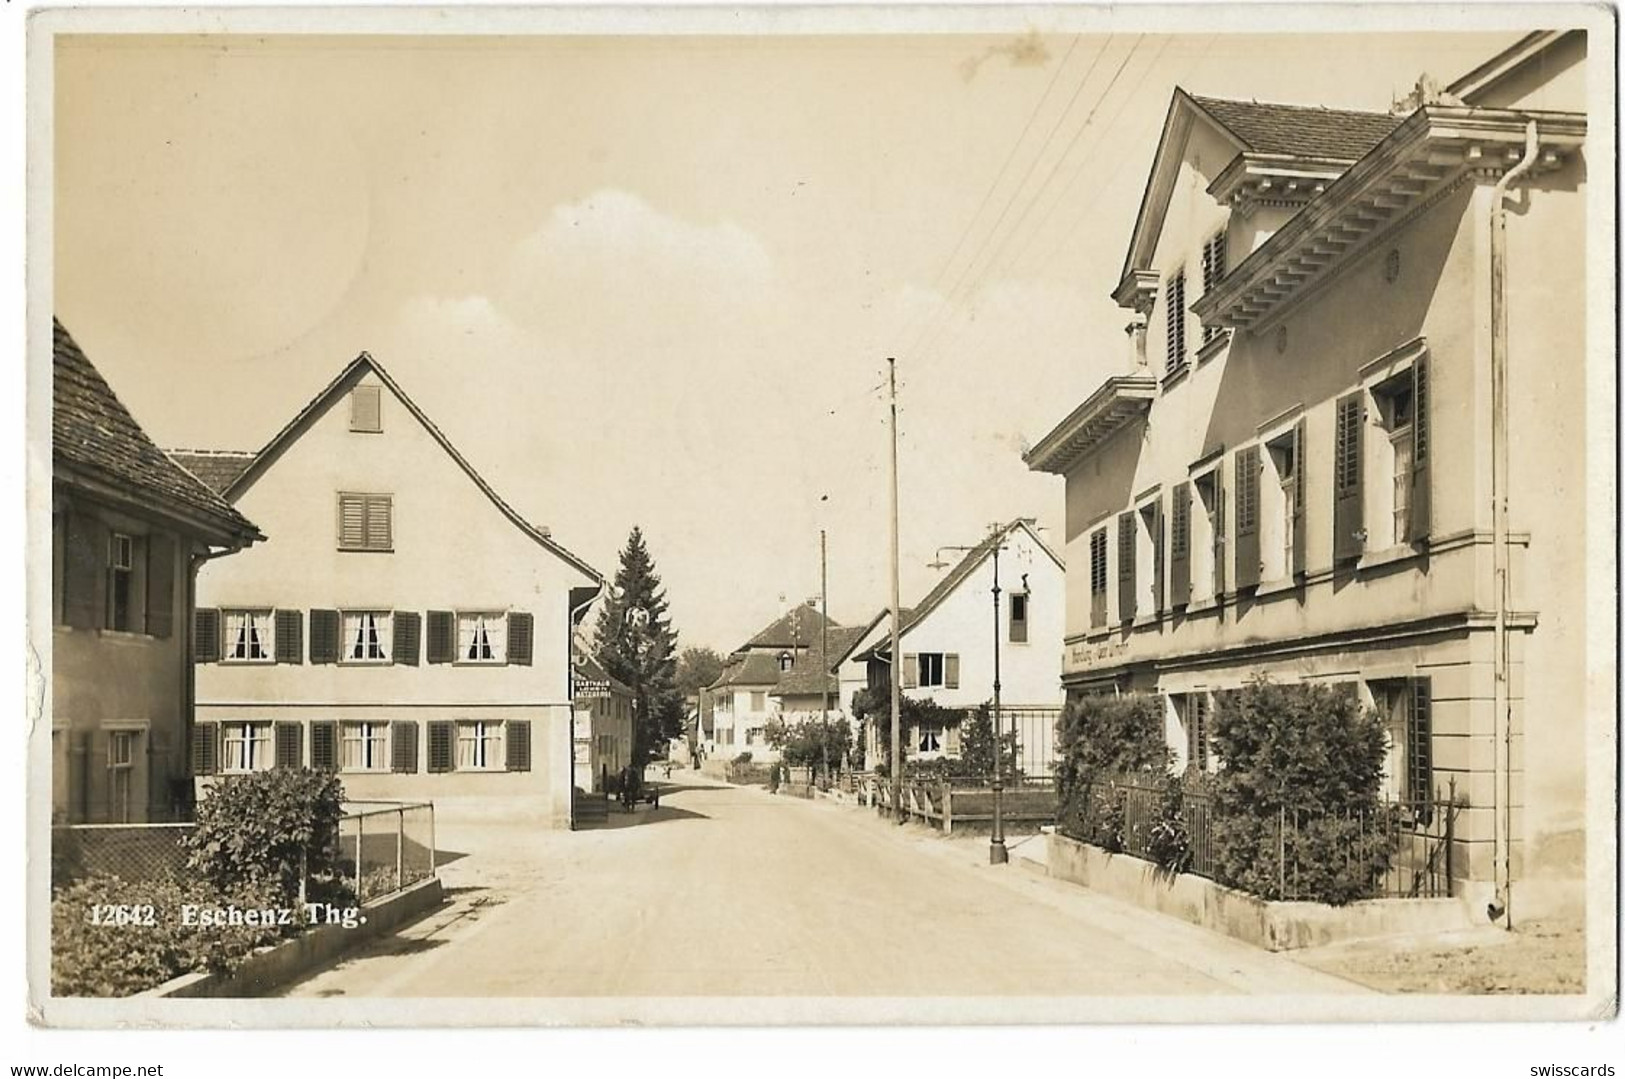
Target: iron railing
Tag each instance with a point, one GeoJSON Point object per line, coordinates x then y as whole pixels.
{"type": "Point", "coordinates": [386, 846]}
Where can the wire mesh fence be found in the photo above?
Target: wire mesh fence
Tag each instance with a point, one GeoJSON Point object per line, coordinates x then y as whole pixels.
{"type": "Point", "coordinates": [384, 847]}
{"type": "Point", "coordinates": [132, 852]}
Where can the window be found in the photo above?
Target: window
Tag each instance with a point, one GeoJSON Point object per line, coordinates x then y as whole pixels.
{"type": "Point", "coordinates": [482, 637]}
{"type": "Point", "coordinates": [1175, 291]}
{"type": "Point", "coordinates": [1405, 705]}
{"type": "Point", "coordinates": [1148, 553]}
{"type": "Point", "coordinates": [1195, 714]}
{"type": "Point", "coordinates": [120, 775]}
{"type": "Point", "coordinates": [929, 741]}
{"type": "Point", "coordinates": [931, 669]}
{"type": "Point", "coordinates": [1018, 617]}
{"type": "Point", "coordinates": [786, 661]}
{"type": "Point", "coordinates": [1283, 508]}
{"type": "Point", "coordinates": [1395, 402]}
{"type": "Point", "coordinates": [366, 410]}
{"type": "Point", "coordinates": [1097, 578]}
{"type": "Point", "coordinates": [479, 745]}
{"type": "Point", "coordinates": [364, 747]}
{"type": "Point", "coordinates": [245, 747]}
{"type": "Point", "coordinates": [758, 700]}
{"type": "Point", "coordinates": [250, 637]}
{"type": "Point", "coordinates": [366, 522]}
{"type": "Point", "coordinates": [1214, 256]}
{"type": "Point", "coordinates": [366, 636]}
{"type": "Point", "coordinates": [121, 567]}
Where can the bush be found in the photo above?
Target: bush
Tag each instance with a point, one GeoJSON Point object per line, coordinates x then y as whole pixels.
{"type": "Point", "coordinates": [1297, 795]}
{"type": "Point", "coordinates": [1100, 737]}
{"type": "Point", "coordinates": [743, 758]}
{"type": "Point", "coordinates": [263, 829]}
{"type": "Point", "coordinates": [1167, 839]}
{"type": "Point", "coordinates": [109, 960]}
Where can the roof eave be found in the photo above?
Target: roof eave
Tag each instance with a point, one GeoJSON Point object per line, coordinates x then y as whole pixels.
{"type": "Point", "coordinates": [1118, 402]}
{"type": "Point", "coordinates": [213, 528]}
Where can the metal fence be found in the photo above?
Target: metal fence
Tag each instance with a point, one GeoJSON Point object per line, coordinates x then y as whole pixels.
{"type": "Point", "coordinates": [132, 852]}
{"type": "Point", "coordinates": [1035, 737]}
{"type": "Point", "coordinates": [1409, 843]}
{"type": "Point", "coordinates": [386, 846]}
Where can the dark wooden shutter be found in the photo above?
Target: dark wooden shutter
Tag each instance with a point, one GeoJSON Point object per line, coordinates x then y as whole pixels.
{"type": "Point", "coordinates": [1179, 547]}
{"type": "Point", "coordinates": [1249, 465]}
{"type": "Point", "coordinates": [85, 604]}
{"type": "Point", "coordinates": [324, 636]}
{"type": "Point", "coordinates": [518, 742]}
{"type": "Point", "coordinates": [1176, 322]}
{"type": "Point", "coordinates": [380, 522]}
{"type": "Point", "coordinates": [206, 635]}
{"type": "Point", "coordinates": [324, 746]}
{"type": "Point", "coordinates": [160, 585]}
{"type": "Point", "coordinates": [521, 637]}
{"type": "Point", "coordinates": [442, 637]}
{"type": "Point", "coordinates": [1421, 454]}
{"type": "Point", "coordinates": [911, 670]}
{"type": "Point", "coordinates": [352, 522]}
{"type": "Point", "coordinates": [1197, 711]}
{"type": "Point", "coordinates": [290, 742]}
{"type": "Point", "coordinates": [1159, 594]}
{"type": "Point", "coordinates": [205, 749]}
{"type": "Point", "coordinates": [442, 745]}
{"type": "Point", "coordinates": [1097, 578]}
{"type": "Point", "coordinates": [1221, 545]}
{"type": "Point", "coordinates": [403, 746]}
{"type": "Point", "coordinates": [1125, 566]}
{"type": "Point", "coordinates": [290, 636]}
{"type": "Point", "coordinates": [366, 412]}
{"type": "Point", "coordinates": [1300, 503]}
{"type": "Point", "coordinates": [408, 641]}
{"type": "Point", "coordinates": [1419, 745]}
{"type": "Point", "coordinates": [950, 671]}
{"type": "Point", "coordinates": [1348, 509]}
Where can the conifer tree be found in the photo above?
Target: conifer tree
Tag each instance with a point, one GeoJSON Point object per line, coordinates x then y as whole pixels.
{"type": "Point", "coordinates": [637, 646]}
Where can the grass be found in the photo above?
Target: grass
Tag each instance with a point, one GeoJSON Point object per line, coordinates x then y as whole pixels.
{"type": "Point", "coordinates": [1536, 958]}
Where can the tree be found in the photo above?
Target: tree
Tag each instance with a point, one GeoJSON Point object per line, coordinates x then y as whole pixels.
{"type": "Point", "coordinates": [697, 668]}
{"type": "Point", "coordinates": [636, 644]}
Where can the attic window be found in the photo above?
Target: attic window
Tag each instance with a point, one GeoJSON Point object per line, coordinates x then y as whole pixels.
{"type": "Point", "coordinates": [366, 410]}
{"type": "Point", "coordinates": [786, 661]}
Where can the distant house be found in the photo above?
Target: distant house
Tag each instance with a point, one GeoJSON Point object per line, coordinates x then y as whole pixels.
{"type": "Point", "coordinates": [811, 686]}
{"type": "Point", "coordinates": [404, 627]}
{"type": "Point", "coordinates": [947, 646]}
{"type": "Point", "coordinates": [129, 529]}
{"type": "Point", "coordinates": [1293, 474]}
{"type": "Point", "coordinates": [742, 696]}
{"type": "Point", "coordinates": [603, 724]}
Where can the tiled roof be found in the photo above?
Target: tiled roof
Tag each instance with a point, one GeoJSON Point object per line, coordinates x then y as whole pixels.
{"type": "Point", "coordinates": [217, 468]}
{"type": "Point", "coordinates": [1301, 130]}
{"type": "Point", "coordinates": [751, 669]}
{"type": "Point", "coordinates": [799, 626]}
{"type": "Point", "coordinates": [94, 434]}
{"type": "Point", "coordinates": [811, 675]}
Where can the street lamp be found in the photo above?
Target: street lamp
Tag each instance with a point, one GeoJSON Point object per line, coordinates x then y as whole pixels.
{"type": "Point", "coordinates": [997, 853]}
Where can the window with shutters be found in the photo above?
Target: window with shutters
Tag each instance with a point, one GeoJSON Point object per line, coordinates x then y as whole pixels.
{"type": "Point", "coordinates": [1207, 546]}
{"type": "Point", "coordinates": [365, 636]}
{"type": "Point", "coordinates": [245, 747]}
{"type": "Point", "coordinates": [482, 637]}
{"type": "Point", "coordinates": [1279, 505]}
{"type": "Point", "coordinates": [1174, 293]}
{"type": "Point", "coordinates": [366, 522]}
{"type": "Point", "coordinates": [1148, 555]}
{"type": "Point", "coordinates": [366, 410]}
{"type": "Point", "coordinates": [1405, 706]}
{"type": "Point", "coordinates": [1215, 255]}
{"type": "Point", "coordinates": [1194, 712]}
{"type": "Point", "coordinates": [480, 746]}
{"type": "Point", "coordinates": [250, 637]}
{"type": "Point", "coordinates": [927, 740]}
{"type": "Point", "coordinates": [364, 747]}
{"type": "Point", "coordinates": [1097, 578]}
{"type": "Point", "coordinates": [1392, 461]}
{"type": "Point", "coordinates": [126, 582]}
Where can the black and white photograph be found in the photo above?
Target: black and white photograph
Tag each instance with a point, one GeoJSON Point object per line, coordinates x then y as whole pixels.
{"type": "Point", "coordinates": [780, 516]}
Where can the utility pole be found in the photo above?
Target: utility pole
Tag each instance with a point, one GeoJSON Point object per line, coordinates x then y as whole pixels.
{"type": "Point", "coordinates": [896, 619]}
{"type": "Point", "coordinates": [823, 647]}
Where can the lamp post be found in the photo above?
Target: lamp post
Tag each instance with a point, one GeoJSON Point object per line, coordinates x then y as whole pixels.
{"type": "Point", "coordinates": [997, 854]}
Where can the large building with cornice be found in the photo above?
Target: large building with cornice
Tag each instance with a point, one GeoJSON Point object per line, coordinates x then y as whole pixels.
{"type": "Point", "coordinates": [1355, 337]}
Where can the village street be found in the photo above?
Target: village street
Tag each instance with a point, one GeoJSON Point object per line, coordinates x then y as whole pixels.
{"type": "Point", "coordinates": [730, 891]}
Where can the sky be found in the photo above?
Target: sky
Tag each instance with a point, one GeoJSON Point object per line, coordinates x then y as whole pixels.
{"type": "Point", "coordinates": [654, 280]}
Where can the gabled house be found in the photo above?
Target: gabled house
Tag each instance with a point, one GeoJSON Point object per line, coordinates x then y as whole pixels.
{"type": "Point", "coordinates": [404, 626]}
{"type": "Point", "coordinates": [811, 687]}
{"type": "Point", "coordinates": [129, 529]}
{"type": "Point", "coordinates": [947, 644]}
{"type": "Point", "coordinates": [742, 698]}
{"type": "Point", "coordinates": [1341, 323]}
{"type": "Point", "coordinates": [603, 724]}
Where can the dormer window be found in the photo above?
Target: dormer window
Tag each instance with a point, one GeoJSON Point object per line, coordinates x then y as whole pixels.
{"type": "Point", "coordinates": [786, 661]}
{"type": "Point", "coordinates": [366, 410]}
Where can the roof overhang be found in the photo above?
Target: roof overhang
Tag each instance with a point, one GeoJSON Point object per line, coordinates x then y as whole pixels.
{"type": "Point", "coordinates": [1434, 150]}
{"type": "Point", "coordinates": [213, 529]}
{"type": "Point", "coordinates": [1119, 402]}
{"type": "Point", "coordinates": [1253, 180]}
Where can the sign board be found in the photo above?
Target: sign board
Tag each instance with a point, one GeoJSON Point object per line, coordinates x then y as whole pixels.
{"type": "Point", "coordinates": [587, 689]}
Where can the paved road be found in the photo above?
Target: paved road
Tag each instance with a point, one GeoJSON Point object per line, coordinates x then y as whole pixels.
{"type": "Point", "coordinates": [733, 892]}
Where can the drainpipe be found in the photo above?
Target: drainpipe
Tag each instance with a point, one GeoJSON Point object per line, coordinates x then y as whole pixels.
{"type": "Point", "coordinates": [1499, 483]}
{"type": "Point", "coordinates": [194, 563]}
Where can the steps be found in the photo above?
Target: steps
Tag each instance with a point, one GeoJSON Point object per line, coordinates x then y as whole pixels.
{"type": "Point", "coordinates": [589, 808]}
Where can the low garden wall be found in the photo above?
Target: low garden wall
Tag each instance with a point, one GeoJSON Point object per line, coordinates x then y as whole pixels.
{"type": "Point", "coordinates": [1276, 926]}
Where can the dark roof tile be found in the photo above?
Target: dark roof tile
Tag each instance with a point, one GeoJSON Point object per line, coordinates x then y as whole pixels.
{"type": "Point", "coordinates": [217, 468]}
{"type": "Point", "coordinates": [1301, 130]}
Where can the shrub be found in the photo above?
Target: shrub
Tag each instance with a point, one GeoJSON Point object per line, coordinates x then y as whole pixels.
{"type": "Point", "coordinates": [108, 960]}
{"type": "Point", "coordinates": [1097, 738]}
{"type": "Point", "coordinates": [1167, 839]}
{"type": "Point", "coordinates": [743, 758]}
{"type": "Point", "coordinates": [261, 830]}
{"type": "Point", "coordinates": [1297, 795]}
